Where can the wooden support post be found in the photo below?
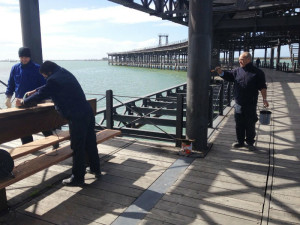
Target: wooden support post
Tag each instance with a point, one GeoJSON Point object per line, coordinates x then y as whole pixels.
{"type": "Point", "coordinates": [109, 109]}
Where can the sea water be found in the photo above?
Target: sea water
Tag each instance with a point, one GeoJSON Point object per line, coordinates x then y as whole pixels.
{"type": "Point", "coordinates": [96, 77]}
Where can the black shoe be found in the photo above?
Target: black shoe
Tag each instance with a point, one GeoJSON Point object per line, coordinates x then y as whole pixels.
{"type": "Point", "coordinates": [55, 146]}
{"type": "Point", "coordinates": [72, 182]}
{"type": "Point", "coordinates": [238, 145]}
{"type": "Point", "coordinates": [97, 174]}
{"type": "Point", "coordinates": [251, 147]}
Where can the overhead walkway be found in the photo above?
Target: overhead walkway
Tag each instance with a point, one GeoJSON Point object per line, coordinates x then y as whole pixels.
{"type": "Point", "coordinates": [148, 183]}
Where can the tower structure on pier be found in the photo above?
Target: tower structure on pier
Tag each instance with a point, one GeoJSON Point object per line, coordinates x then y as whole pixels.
{"type": "Point", "coordinates": [160, 36]}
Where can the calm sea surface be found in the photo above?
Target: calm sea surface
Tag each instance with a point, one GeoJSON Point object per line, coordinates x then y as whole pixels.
{"type": "Point", "coordinates": [96, 77]}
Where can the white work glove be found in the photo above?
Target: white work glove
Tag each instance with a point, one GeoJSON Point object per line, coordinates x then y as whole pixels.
{"type": "Point", "coordinates": [8, 102]}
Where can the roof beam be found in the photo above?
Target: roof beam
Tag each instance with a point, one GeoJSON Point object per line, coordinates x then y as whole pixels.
{"type": "Point", "coordinates": [259, 24]}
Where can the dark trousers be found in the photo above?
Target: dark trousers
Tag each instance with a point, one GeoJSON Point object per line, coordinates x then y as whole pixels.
{"type": "Point", "coordinates": [245, 124]}
{"type": "Point", "coordinates": [83, 142]}
{"type": "Point", "coordinates": [29, 138]}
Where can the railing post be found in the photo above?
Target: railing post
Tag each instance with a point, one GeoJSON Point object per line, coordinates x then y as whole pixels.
{"type": "Point", "coordinates": [210, 107]}
{"type": "Point", "coordinates": [221, 99]}
{"type": "Point", "coordinates": [145, 102]}
{"type": "Point", "coordinates": [179, 119]}
{"type": "Point", "coordinates": [129, 108]}
{"type": "Point", "coordinates": [169, 92]}
{"type": "Point", "coordinates": [109, 109]}
{"type": "Point", "coordinates": [229, 94]}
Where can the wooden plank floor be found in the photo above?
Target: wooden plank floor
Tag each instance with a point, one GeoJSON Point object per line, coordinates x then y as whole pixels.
{"type": "Point", "coordinates": [229, 186]}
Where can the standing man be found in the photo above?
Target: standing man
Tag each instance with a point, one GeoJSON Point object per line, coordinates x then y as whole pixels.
{"type": "Point", "coordinates": [257, 62]}
{"type": "Point", "coordinates": [248, 80]}
{"type": "Point", "coordinates": [70, 102]}
{"type": "Point", "coordinates": [24, 77]}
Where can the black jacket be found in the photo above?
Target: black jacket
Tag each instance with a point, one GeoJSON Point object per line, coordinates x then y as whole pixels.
{"type": "Point", "coordinates": [66, 93]}
{"type": "Point", "coordinates": [248, 81]}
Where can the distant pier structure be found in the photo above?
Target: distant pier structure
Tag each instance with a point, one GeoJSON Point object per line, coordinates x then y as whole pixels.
{"type": "Point", "coordinates": [174, 56]}
{"type": "Point", "coordinates": [169, 56]}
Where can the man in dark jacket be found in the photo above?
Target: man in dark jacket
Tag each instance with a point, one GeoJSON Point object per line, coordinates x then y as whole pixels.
{"type": "Point", "coordinates": [257, 62]}
{"type": "Point", "coordinates": [70, 102]}
{"type": "Point", "coordinates": [24, 77]}
{"type": "Point", "coordinates": [248, 80]}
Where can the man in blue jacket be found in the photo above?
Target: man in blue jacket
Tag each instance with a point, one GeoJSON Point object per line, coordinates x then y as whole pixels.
{"type": "Point", "coordinates": [69, 99]}
{"type": "Point", "coordinates": [24, 77]}
{"type": "Point", "coordinates": [248, 80]}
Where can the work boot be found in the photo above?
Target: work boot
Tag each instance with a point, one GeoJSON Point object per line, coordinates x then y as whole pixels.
{"type": "Point", "coordinates": [251, 147]}
{"type": "Point", "coordinates": [72, 182]}
{"type": "Point", "coordinates": [238, 145]}
{"type": "Point", "coordinates": [97, 174]}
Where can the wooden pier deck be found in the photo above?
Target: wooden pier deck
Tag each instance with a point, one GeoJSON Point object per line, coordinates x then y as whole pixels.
{"type": "Point", "coordinates": [148, 183]}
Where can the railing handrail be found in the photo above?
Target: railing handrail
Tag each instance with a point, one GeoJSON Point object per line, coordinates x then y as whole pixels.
{"type": "Point", "coordinates": [132, 118]}
{"type": "Point", "coordinates": [141, 98]}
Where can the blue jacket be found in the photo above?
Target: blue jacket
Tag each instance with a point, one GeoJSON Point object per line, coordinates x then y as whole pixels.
{"type": "Point", "coordinates": [66, 93]}
{"type": "Point", "coordinates": [248, 81]}
{"type": "Point", "coordinates": [24, 78]}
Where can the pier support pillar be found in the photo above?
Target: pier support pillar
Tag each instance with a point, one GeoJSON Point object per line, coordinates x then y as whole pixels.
{"type": "Point", "coordinates": [198, 76]}
{"type": "Point", "coordinates": [272, 58]}
{"type": "Point", "coordinates": [298, 55]}
{"type": "Point", "coordinates": [278, 56]}
{"type": "Point", "coordinates": [231, 58]}
{"type": "Point", "coordinates": [31, 30]}
{"type": "Point", "coordinates": [215, 55]}
{"type": "Point", "coordinates": [253, 52]}
{"type": "Point", "coordinates": [265, 57]}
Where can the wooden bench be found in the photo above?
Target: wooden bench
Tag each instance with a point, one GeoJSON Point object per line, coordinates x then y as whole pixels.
{"type": "Point", "coordinates": [32, 147]}
{"type": "Point", "coordinates": [46, 159]}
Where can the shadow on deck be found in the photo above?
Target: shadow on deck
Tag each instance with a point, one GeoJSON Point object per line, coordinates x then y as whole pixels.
{"type": "Point", "coordinates": [148, 183]}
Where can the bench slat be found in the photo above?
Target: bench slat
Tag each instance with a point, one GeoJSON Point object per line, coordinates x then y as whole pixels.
{"type": "Point", "coordinates": [50, 158]}
{"type": "Point", "coordinates": [38, 144]}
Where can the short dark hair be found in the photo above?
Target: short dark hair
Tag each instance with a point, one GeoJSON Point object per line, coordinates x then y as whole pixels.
{"type": "Point", "coordinates": [24, 52]}
{"type": "Point", "coordinates": [48, 67]}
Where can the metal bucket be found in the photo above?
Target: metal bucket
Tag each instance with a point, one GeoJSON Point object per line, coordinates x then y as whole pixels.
{"type": "Point", "coordinates": [265, 117]}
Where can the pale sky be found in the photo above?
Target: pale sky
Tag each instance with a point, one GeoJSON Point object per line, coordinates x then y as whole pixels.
{"type": "Point", "coordinates": [87, 29]}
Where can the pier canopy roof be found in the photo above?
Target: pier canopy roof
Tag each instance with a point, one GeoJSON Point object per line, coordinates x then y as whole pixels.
{"type": "Point", "coordinates": [256, 23]}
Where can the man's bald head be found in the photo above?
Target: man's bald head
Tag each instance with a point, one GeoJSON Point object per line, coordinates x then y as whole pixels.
{"type": "Point", "coordinates": [244, 59]}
